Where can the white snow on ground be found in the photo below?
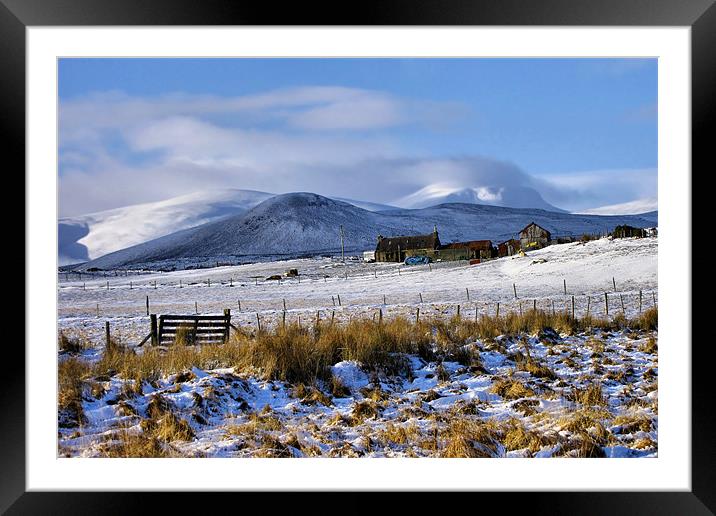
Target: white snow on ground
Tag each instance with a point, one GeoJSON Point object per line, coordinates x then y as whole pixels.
{"type": "Point", "coordinates": [590, 269]}
{"type": "Point", "coordinates": [236, 414]}
{"type": "Point", "coordinates": [233, 414]}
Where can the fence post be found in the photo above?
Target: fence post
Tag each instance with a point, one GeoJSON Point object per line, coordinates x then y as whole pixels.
{"type": "Point", "coordinates": [514, 288]}
{"type": "Point", "coordinates": [258, 321]}
{"type": "Point", "coordinates": [421, 296]}
{"type": "Point", "coordinates": [106, 333]}
{"type": "Point", "coordinates": [380, 315]}
{"type": "Point", "coordinates": [589, 302]}
{"type": "Point", "coordinates": [284, 304]}
{"type": "Point", "coordinates": [640, 301]}
{"type": "Point", "coordinates": [621, 298]}
{"type": "Point", "coordinates": [196, 307]}
{"type": "Point", "coordinates": [534, 305]}
{"type": "Point", "coordinates": [383, 298]}
{"type": "Point", "coordinates": [497, 315]}
{"type": "Point", "coordinates": [573, 308]}
{"type": "Point", "coordinates": [565, 285]}
{"type": "Point", "coordinates": [180, 285]}
{"type": "Point", "coordinates": [334, 300]}
{"type": "Point", "coordinates": [227, 315]}
{"type": "Point", "coordinates": [155, 284]}
{"type": "Point", "coordinates": [467, 292]}
{"type": "Point", "coordinates": [153, 329]}
{"type": "Point", "coordinates": [458, 310]}
{"type": "Point", "coordinates": [333, 315]}
{"type": "Point", "coordinates": [147, 305]}
{"type": "Point", "coordinates": [614, 283]}
{"type": "Point", "coordinates": [606, 304]}
{"type": "Point", "coordinates": [417, 316]}
{"type": "Point", "coordinates": [283, 319]}
{"type": "Point", "coordinates": [231, 282]}
{"type": "Point", "coordinates": [339, 300]}
{"type": "Point", "coordinates": [239, 300]}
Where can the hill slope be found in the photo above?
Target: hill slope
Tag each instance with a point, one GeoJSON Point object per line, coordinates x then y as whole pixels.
{"type": "Point", "coordinates": [90, 236]}
{"type": "Point", "coordinates": [304, 224]}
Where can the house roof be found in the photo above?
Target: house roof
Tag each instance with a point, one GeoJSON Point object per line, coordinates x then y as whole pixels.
{"type": "Point", "coordinates": [391, 244]}
{"type": "Point", "coordinates": [534, 224]}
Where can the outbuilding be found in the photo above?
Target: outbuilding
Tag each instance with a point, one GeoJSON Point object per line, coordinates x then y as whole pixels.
{"type": "Point", "coordinates": [395, 249]}
{"type": "Point", "coordinates": [534, 236]}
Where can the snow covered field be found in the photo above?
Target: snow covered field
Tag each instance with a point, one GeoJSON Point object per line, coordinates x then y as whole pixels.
{"type": "Point", "coordinates": [593, 393]}
{"type": "Point", "coordinates": [590, 269]}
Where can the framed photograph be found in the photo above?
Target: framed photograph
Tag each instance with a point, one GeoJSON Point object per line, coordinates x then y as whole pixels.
{"type": "Point", "coordinates": [420, 248]}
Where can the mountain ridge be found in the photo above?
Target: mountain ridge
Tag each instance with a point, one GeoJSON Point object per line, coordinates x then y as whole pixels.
{"type": "Point", "coordinates": [303, 223]}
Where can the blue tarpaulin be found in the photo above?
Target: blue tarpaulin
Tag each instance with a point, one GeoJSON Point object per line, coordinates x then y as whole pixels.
{"type": "Point", "coordinates": [417, 260]}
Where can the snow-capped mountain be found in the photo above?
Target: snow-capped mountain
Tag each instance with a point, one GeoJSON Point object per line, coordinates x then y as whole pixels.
{"type": "Point", "coordinates": [627, 208]}
{"type": "Point", "coordinates": [90, 236]}
{"type": "Point", "coordinates": [299, 224]}
{"type": "Point", "coordinates": [96, 234]}
{"type": "Point", "coordinates": [512, 197]}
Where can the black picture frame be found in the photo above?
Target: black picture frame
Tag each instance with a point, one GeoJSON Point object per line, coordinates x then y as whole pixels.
{"type": "Point", "coordinates": [700, 15]}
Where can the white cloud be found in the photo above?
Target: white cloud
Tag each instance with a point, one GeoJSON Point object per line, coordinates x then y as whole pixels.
{"type": "Point", "coordinates": [117, 150]}
{"type": "Point", "coordinates": [585, 190]}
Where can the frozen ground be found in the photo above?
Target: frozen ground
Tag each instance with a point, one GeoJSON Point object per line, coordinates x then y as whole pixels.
{"type": "Point", "coordinates": [590, 269]}
{"type": "Point", "coordinates": [426, 413]}
{"type": "Point", "coordinates": [437, 409]}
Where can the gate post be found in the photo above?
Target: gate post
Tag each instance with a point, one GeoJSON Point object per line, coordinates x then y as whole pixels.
{"type": "Point", "coordinates": [227, 325]}
{"type": "Point", "coordinates": [153, 321]}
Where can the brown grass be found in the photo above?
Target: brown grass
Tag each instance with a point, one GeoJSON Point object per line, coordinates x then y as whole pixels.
{"type": "Point", "coordinates": [468, 438]}
{"type": "Point", "coordinates": [649, 346]}
{"type": "Point", "coordinates": [127, 444]}
{"type": "Point", "coordinates": [72, 374]}
{"type": "Point", "coordinates": [589, 395]}
{"type": "Point", "coordinates": [511, 388]}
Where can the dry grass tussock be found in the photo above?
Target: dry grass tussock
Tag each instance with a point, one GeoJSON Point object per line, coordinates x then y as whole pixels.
{"type": "Point", "coordinates": [130, 444]}
{"type": "Point", "coordinates": [469, 438]}
{"type": "Point", "coordinates": [72, 343]}
{"type": "Point", "coordinates": [511, 388]}
{"type": "Point", "coordinates": [304, 355]}
{"type": "Point", "coordinates": [72, 376]}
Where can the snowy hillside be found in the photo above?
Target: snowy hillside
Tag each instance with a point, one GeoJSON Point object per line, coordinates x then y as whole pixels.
{"type": "Point", "coordinates": [304, 223]}
{"type": "Point", "coordinates": [512, 197]}
{"type": "Point", "coordinates": [90, 236]}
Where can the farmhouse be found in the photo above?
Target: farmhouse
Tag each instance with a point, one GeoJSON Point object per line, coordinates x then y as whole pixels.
{"type": "Point", "coordinates": [628, 231]}
{"type": "Point", "coordinates": [534, 236]}
{"type": "Point", "coordinates": [470, 250]}
{"type": "Point", "coordinates": [508, 247]}
{"type": "Point", "coordinates": [395, 249]}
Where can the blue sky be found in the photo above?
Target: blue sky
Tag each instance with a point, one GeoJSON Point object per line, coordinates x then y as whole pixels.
{"type": "Point", "coordinates": [569, 128]}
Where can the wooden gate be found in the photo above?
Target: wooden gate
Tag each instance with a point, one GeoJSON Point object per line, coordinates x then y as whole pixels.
{"type": "Point", "coordinates": [193, 329]}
